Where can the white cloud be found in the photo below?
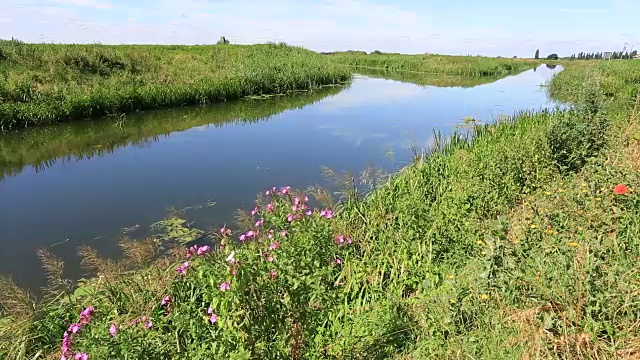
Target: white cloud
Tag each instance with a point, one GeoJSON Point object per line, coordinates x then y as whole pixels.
{"type": "Point", "coordinates": [85, 3]}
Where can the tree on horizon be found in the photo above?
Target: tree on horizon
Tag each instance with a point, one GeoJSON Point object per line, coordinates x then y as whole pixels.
{"type": "Point", "coordinates": [537, 54]}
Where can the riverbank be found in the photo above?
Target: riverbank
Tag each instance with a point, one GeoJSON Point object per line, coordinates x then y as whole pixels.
{"type": "Point", "coordinates": [47, 83]}
{"type": "Point", "coordinates": [467, 66]}
{"type": "Point", "coordinates": [520, 242]}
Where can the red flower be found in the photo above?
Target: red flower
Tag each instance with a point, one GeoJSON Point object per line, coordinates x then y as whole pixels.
{"type": "Point", "coordinates": [620, 189]}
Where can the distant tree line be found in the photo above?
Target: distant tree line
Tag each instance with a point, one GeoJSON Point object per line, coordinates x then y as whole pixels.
{"type": "Point", "coordinates": [615, 55]}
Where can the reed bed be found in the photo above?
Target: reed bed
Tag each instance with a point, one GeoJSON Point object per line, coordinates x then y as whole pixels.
{"type": "Point", "coordinates": [45, 83]}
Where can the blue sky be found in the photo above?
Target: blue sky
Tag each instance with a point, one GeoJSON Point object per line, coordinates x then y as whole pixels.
{"type": "Point", "coordinates": [488, 27]}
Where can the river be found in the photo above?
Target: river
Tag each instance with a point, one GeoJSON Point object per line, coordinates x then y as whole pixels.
{"type": "Point", "coordinates": [80, 184]}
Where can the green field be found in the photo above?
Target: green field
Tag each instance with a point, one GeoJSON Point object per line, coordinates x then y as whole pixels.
{"type": "Point", "coordinates": [44, 83]}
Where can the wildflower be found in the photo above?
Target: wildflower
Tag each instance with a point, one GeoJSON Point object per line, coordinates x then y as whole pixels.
{"type": "Point", "coordinates": [270, 207]}
{"type": "Point", "coordinates": [149, 324]}
{"type": "Point", "coordinates": [259, 222]}
{"type": "Point", "coordinates": [533, 226]}
{"type": "Point", "coordinates": [484, 297]}
{"type": "Point", "coordinates": [74, 328]}
{"type": "Point", "coordinates": [598, 199]}
{"type": "Point", "coordinates": [479, 242]}
{"type": "Point", "coordinates": [340, 240]}
{"type": "Point", "coordinates": [234, 272]}
{"type": "Point", "coordinates": [255, 210]}
{"type": "Point", "coordinates": [453, 301]}
{"type": "Point", "coordinates": [290, 217]}
{"type": "Point", "coordinates": [213, 318]}
{"type": "Point", "coordinates": [224, 286]}
{"type": "Point", "coordinates": [547, 193]}
{"type": "Point", "coordinates": [585, 191]}
{"type": "Point", "coordinates": [87, 313]}
{"type": "Point", "coordinates": [309, 212]}
{"type": "Point", "coordinates": [225, 231]}
{"type": "Point", "coordinates": [242, 237]}
{"type": "Point", "coordinates": [81, 356]}
{"type": "Point", "coordinates": [182, 269]}
{"type": "Point", "coordinates": [337, 261]}
{"type": "Point", "coordinates": [209, 310]}
{"type": "Point", "coordinates": [166, 301]}
{"type": "Point", "coordinates": [484, 253]}
{"type": "Point", "coordinates": [450, 277]}
{"type": "Point", "coordinates": [580, 229]}
{"type": "Point", "coordinates": [584, 185]}
{"type": "Point", "coordinates": [203, 250]}
{"type": "Point", "coordinates": [283, 233]}
{"type": "Point", "coordinates": [296, 201]}
{"type": "Point", "coordinates": [113, 330]}
{"type": "Point", "coordinates": [555, 233]}
{"type": "Point", "coordinates": [326, 213]}
{"type": "Point", "coordinates": [250, 234]}
{"type": "Point", "coordinates": [285, 190]}
{"type": "Point", "coordinates": [267, 193]}
{"type": "Point", "coordinates": [573, 244]}
{"type": "Point", "coordinates": [620, 189]}
{"type": "Point", "coordinates": [274, 246]}
{"type": "Point", "coordinates": [273, 274]}
{"type": "Point", "coordinates": [306, 199]}
{"type": "Point", "coordinates": [294, 208]}
{"type": "Point", "coordinates": [271, 259]}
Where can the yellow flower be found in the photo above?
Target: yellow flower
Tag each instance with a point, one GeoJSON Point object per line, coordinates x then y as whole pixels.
{"type": "Point", "coordinates": [549, 231]}
{"type": "Point", "coordinates": [585, 191]}
{"type": "Point", "coordinates": [573, 244]}
{"type": "Point", "coordinates": [584, 185]}
{"type": "Point", "coordinates": [580, 228]}
{"type": "Point", "coordinates": [533, 226]}
{"type": "Point", "coordinates": [598, 199]}
{"type": "Point", "coordinates": [548, 193]}
{"type": "Point", "coordinates": [479, 242]}
{"type": "Point", "coordinates": [484, 253]}
{"type": "Point", "coordinates": [484, 297]}
{"type": "Point", "coordinates": [453, 301]}
{"type": "Point", "coordinates": [450, 277]}
{"type": "Point", "coordinates": [561, 190]}
{"type": "Point", "coordinates": [555, 233]}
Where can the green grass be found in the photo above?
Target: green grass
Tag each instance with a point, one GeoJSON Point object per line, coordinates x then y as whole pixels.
{"type": "Point", "coordinates": [39, 147]}
{"type": "Point", "coordinates": [467, 66]}
{"type": "Point", "coordinates": [427, 79]}
{"type": "Point", "coordinates": [45, 83]}
{"type": "Point", "coordinates": [488, 248]}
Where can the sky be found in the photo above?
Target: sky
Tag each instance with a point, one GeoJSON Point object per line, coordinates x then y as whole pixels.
{"type": "Point", "coordinates": [489, 27]}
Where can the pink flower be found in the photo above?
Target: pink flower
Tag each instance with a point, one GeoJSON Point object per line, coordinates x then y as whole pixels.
{"type": "Point", "coordinates": [306, 199]}
{"type": "Point", "coordinates": [113, 330]}
{"type": "Point", "coordinates": [283, 233]}
{"type": "Point", "coordinates": [255, 210]}
{"type": "Point", "coordinates": [309, 212]}
{"type": "Point", "coordinates": [340, 240]}
{"type": "Point", "coordinates": [234, 272]}
{"type": "Point", "coordinates": [296, 201]}
{"type": "Point", "coordinates": [143, 318]}
{"type": "Point", "coordinates": [213, 318]}
{"type": "Point", "coordinates": [274, 246]}
{"type": "Point", "coordinates": [273, 274]}
{"type": "Point", "coordinates": [285, 190]}
{"type": "Point", "coordinates": [294, 208]}
{"type": "Point", "coordinates": [259, 222]}
{"type": "Point", "coordinates": [66, 343]}
{"type": "Point", "coordinates": [203, 250]}
{"type": "Point", "coordinates": [327, 213]}
{"type": "Point", "coordinates": [210, 310]}
{"type": "Point", "coordinates": [290, 217]}
{"type": "Point", "coordinates": [267, 193]}
{"type": "Point", "coordinates": [85, 315]}
{"type": "Point", "coordinates": [74, 328]}
{"type": "Point", "coordinates": [225, 286]}
{"type": "Point", "coordinates": [242, 237]}
{"type": "Point", "coordinates": [182, 269]}
{"type": "Point", "coordinates": [149, 324]}
{"type": "Point", "coordinates": [225, 231]}
{"type": "Point", "coordinates": [271, 259]}
{"type": "Point", "coordinates": [270, 207]}
{"type": "Point", "coordinates": [63, 357]}
{"type": "Point", "coordinates": [338, 261]}
{"type": "Point", "coordinates": [250, 234]}
{"type": "Point", "coordinates": [166, 301]}
{"type": "Point", "coordinates": [82, 356]}
{"type": "Point", "coordinates": [303, 207]}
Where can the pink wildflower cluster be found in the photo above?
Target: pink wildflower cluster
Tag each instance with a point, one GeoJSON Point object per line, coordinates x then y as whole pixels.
{"type": "Point", "coordinates": [212, 317]}
{"type": "Point", "coordinates": [327, 213]}
{"type": "Point", "coordinates": [182, 269]}
{"type": "Point", "coordinates": [143, 320]}
{"type": "Point", "coordinates": [198, 250]}
{"type": "Point", "coordinates": [342, 239]}
{"type": "Point", "coordinates": [74, 329]}
{"type": "Point", "coordinates": [248, 235]}
{"type": "Point", "coordinates": [224, 231]}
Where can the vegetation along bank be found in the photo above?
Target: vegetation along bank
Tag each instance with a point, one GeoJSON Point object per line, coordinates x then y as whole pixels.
{"type": "Point", "coordinates": [47, 83]}
{"type": "Point", "coordinates": [520, 242]}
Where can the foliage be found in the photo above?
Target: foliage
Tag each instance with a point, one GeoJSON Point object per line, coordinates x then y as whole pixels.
{"type": "Point", "coordinates": [468, 66]}
{"type": "Point", "coordinates": [552, 57]}
{"type": "Point", "coordinates": [46, 83]}
{"type": "Point", "coordinates": [537, 56]}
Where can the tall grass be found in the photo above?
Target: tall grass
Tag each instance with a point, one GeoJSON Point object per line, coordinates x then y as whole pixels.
{"type": "Point", "coordinates": [428, 79]}
{"type": "Point", "coordinates": [488, 248]}
{"type": "Point", "coordinates": [468, 66]}
{"type": "Point", "coordinates": [45, 83]}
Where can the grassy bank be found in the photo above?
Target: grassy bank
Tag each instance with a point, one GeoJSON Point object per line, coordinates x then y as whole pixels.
{"type": "Point", "coordinates": [41, 146]}
{"type": "Point", "coordinates": [468, 66]}
{"type": "Point", "coordinates": [512, 244]}
{"type": "Point", "coordinates": [427, 79]}
{"type": "Point", "coordinates": [46, 83]}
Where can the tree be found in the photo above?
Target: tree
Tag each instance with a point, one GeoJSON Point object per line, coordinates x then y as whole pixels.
{"type": "Point", "coordinates": [223, 41]}
{"type": "Point", "coordinates": [537, 54]}
{"type": "Point", "coordinates": [552, 57]}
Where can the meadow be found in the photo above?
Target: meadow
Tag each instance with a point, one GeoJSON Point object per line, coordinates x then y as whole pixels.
{"type": "Point", "coordinates": [48, 83]}
{"type": "Point", "coordinates": [519, 241]}
{"type": "Point", "coordinates": [467, 66]}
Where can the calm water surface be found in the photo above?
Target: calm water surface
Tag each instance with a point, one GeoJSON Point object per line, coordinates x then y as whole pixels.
{"type": "Point", "coordinates": [69, 185]}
